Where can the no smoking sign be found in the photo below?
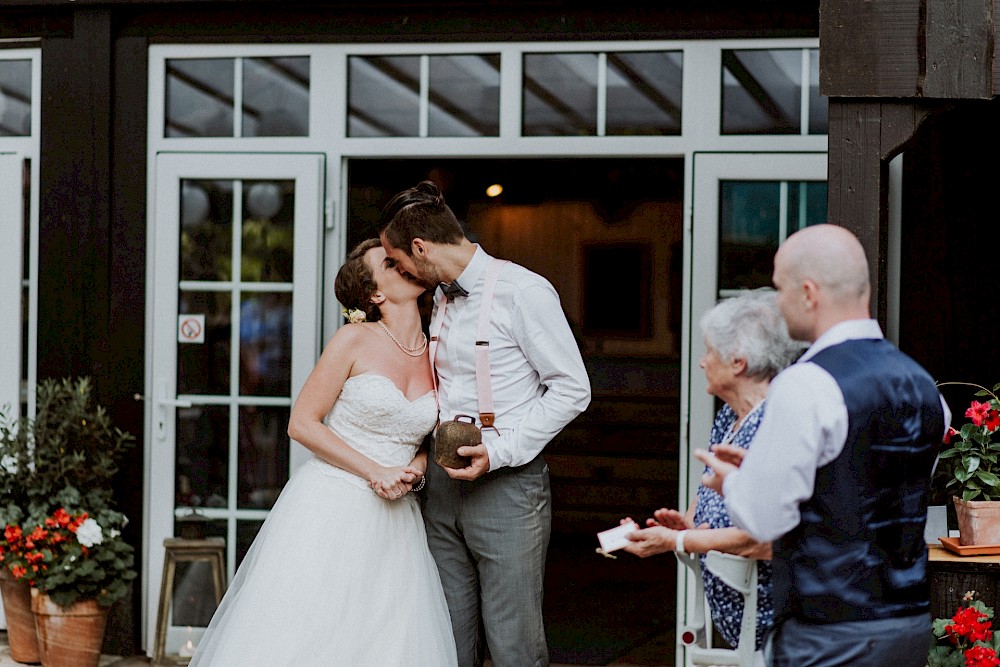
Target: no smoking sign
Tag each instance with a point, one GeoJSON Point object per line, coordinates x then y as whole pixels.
{"type": "Point", "coordinates": [190, 328]}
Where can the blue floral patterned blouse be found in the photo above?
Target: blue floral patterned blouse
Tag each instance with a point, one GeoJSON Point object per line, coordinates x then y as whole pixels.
{"type": "Point", "coordinates": [725, 603]}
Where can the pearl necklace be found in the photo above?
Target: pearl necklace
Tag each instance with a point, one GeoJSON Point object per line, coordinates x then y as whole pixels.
{"type": "Point", "coordinates": [409, 351]}
{"type": "Point", "coordinates": [732, 432]}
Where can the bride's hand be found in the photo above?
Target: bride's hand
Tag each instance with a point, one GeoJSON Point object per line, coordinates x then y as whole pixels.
{"type": "Point", "coordinates": [392, 483]}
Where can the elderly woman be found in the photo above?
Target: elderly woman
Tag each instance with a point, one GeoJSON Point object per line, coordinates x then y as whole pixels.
{"type": "Point", "coordinates": [746, 345]}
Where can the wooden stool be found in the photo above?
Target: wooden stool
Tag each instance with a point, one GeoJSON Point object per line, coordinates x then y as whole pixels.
{"type": "Point", "coordinates": [179, 550]}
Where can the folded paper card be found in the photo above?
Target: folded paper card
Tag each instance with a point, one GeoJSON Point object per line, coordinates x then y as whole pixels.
{"type": "Point", "coordinates": [614, 538]}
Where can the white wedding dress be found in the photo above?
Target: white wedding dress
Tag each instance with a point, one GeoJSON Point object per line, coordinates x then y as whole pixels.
{"type": "Point", "coordinates": [337, 575]}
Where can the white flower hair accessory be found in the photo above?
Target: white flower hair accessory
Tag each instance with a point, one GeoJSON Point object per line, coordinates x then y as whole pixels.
{"type": "Point", "coordinates": [354, 315]}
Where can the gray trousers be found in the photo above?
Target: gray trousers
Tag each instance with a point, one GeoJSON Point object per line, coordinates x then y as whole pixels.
{"type": "Point", "coordinates": [900, 642]}
{"type": "Point", "coordinates": [489, 538]}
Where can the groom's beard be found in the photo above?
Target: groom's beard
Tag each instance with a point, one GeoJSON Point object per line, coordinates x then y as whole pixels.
{"type": "Point", "coordinates": [426, 273]}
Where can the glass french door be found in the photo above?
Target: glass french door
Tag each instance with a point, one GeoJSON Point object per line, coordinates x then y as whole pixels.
{"type": "Point", "coordinates": [743, 206]}
{"type": "Point", "coordinates": [235, 280]}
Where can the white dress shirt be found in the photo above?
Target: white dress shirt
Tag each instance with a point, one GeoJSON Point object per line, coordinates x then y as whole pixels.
{"type": "Point", "coordinates": [538, 378]}
{"type": "Point", "coordinates": [804, 428]}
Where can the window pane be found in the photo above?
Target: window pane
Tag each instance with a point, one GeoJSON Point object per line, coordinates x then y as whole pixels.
{"type": "Point", "coordinates": [806, 204]}
{"type": "Point", "coordinates": [206, 230]}
{"type": "Point", "coordinates": [202, 456]}
{"type": "Point", "coordinates": [276, 97]}
{"type": "Point", "coordinates": [246, 531]}
{"type": "Point", "coordinates": [748, 233]}
{"type": "Point", "coordinates": [15, 98]}
{"type": "Point", "coordinates": [761, 91]}
{"type": "Point", "coordinates": [644, 93]}
{"type": "Point", "coordinates": [819, 105]}
{"type": "Point", "coordinates": [266, 344]}
{"type": "Point", "coordinates": [200, 97]}
{"type": "Point", "coordinates": [203, 368]}
{"type": "Point", "coordinates": [263, 456]}
{"type": "Point", "coordinates": [464, 96]}
{"type": "Point", "coordinates": [268, 231]}
{"type": "Point", "coordinates": [750, 226]}
{"type": "Point", "coordinates": [383, 96]}
{"type": "Point", "coordinates": [560, 94]}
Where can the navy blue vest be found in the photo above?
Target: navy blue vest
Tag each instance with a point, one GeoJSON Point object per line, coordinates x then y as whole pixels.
{"type": "Point", "coordinates": [858, 552]}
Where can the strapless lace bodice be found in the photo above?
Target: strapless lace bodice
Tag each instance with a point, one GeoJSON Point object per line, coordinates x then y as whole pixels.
{"type": "Point", "coordinates": [375, 417]}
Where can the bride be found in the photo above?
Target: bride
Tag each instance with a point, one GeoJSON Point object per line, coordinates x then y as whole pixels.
{"type": "Point", "coordinates": [340, 572]}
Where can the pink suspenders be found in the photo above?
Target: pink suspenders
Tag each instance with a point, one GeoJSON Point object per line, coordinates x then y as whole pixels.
{"type": "Point", "coordinates": [484, 390]}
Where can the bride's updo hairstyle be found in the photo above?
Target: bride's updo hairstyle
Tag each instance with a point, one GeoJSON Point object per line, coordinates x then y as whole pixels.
{"type": "Point", "coordinates": [355, 283]}
{"type": "Point", "coordinates": [419, 213]}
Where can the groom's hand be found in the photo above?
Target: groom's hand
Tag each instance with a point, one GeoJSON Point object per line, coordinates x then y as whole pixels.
{"type": "Point", "coordinates": [478, 466]}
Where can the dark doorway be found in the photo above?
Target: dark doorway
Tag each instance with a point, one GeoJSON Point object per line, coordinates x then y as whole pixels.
{"type": "Point", "coordinates": [608, 234]}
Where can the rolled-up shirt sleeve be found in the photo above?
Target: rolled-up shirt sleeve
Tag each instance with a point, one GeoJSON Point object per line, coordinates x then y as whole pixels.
{"type": "Point", "coordinates": [543, 334]}
{"type": "Point", "coordinates": [804, 427]}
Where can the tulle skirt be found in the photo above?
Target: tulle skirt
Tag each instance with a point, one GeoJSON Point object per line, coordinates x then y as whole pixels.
{"type": "Point", "coordinates": [336, 576]}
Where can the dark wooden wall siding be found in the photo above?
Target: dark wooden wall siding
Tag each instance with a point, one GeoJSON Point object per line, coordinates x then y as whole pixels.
{"type": "Point", "coordinates": [948, 321]}
{"type": "Point", "coordinates": [91, 292]}
{"type": "Point", "coordinates": [127, 299]}
{"type": "Point", "coordinates": [553, 20]}
{"type": "Point", "coordinates": [74, 243]}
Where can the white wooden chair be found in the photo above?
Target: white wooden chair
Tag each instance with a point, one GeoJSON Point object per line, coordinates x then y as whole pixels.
{"type": "Point", "coordinates": [739, 573]}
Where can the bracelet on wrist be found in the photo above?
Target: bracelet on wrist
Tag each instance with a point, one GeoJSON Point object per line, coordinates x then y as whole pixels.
{"type": "Point", "coordinates": [679, 543]}
{"type": "Point", "coordinates": [420, 485]}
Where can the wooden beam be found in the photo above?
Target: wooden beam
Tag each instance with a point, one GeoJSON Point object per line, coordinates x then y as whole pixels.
{"type": "Point", "coordinates": [958, 50]}
{"type": "Point", "coordinates": [936, 49]}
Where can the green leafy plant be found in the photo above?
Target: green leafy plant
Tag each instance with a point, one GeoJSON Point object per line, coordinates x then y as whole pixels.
{"type": "Point", "coordinates": [971, 460]}
{"type": "Point", "coordinates": [56, 471]}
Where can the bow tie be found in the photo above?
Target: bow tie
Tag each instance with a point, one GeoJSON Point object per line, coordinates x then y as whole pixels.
{"type": "Point", "coordinates": [453, 289]}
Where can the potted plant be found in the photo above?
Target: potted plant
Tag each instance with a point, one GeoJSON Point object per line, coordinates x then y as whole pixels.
{"type": "Point", "coordinates": [67, 543]}
{"type": "Point", "coordinates": [971, 464]}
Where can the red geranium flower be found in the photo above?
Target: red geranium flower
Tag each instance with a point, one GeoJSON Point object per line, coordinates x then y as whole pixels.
{"type": "Point", "coordinates": [978, 412]}
{"type": "Point", "coordinates": [981, 656]}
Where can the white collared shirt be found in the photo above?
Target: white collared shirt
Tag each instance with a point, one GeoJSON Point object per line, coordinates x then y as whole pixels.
{"type": "Point", "coordinates": [538, 378]}
{"type": "Point", "coordinates": [804, 428]}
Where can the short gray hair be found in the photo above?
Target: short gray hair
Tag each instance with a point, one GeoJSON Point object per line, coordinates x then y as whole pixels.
{"type": "Point", "coordinates": [749, 326]}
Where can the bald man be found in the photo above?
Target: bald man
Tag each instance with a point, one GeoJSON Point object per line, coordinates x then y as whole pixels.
{"type": "Point", "coordinates": [839, 472]}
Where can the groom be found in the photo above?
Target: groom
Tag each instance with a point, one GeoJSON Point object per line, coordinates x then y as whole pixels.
{"type": "Point", "coordinates": [488, 524]}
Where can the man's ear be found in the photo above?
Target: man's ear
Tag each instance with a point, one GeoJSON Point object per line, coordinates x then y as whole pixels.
{"type": "Point", "coordinates": [810, 291]}
{"type": "Point", "coordinates": [739, 365]}
{"type": "Point", "coordinates": [418, 247]}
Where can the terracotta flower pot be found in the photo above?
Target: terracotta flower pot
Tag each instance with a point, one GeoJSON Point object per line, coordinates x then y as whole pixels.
{"type": "Point", "coordinates": [21, 634]}
{"type": "Point", "coordinates": [69, 636]}
{"type": "Point", "coordinates": [978, 521]}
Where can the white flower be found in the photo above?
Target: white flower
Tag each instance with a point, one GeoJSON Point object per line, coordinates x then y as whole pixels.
{"type": "Point", "coordinates": [114, 533]}
{"type": "Point", "coordinates": [89, 533]}
{"type": "Point", "coordinates": [354, 315]}
{"type": "Point", "coordinates": [9, 464]}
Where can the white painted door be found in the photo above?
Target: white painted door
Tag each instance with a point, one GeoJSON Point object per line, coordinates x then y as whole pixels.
{"type": "Point", "coordinates": [11, 275]}
{"type": "Point", "coordinates": [235, 279]}
{"type": "Point", "coordinates": [743, 206]}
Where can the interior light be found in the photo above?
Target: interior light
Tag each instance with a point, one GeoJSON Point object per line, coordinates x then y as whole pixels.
{"type": "Point", "coordinates": [494, 190]}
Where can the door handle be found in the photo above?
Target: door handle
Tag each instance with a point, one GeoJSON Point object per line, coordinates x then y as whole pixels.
{"type": "Point", "coordinates": [163, 403]}
{"type": "Point", "coordinates": [174, 403]}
